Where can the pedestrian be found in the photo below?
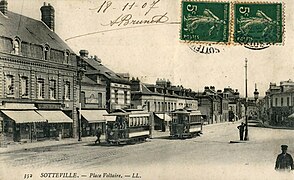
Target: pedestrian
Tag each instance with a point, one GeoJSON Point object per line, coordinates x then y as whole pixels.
{"type": "Point", "coordinates": [98, 135]}
{"type": "Point", "coordinates": [284, 160]}
{"type": "Point", "coordinates": [241, 130]}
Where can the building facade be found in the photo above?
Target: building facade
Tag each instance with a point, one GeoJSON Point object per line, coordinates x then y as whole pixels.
{"type": "Point", "coordinates": [37, 78]}
{"type": "Point", "coordinates": [118, 89]}
{"type": "Point", "coordinates": [161, 99]}
{"type": "Point", "coordinates": [277, 106]}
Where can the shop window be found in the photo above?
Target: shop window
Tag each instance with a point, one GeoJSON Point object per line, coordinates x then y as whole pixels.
{"type": "Point", "coordinates": [67, 90]}
{"type": "Point", "coordinates": [9, 85]}
{"type": "Point", "coordinates": [24, 87]}
{"type": "Point", "coordinates": [41, 88]}
{"type": "Point", "coordinates": [52, 89]}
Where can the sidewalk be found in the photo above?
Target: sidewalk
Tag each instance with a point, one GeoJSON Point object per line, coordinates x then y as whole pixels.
{"type": "Point", "coordinates": [47, 143]}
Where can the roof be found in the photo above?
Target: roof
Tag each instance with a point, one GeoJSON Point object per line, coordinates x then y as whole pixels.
{"type": "Point", "coordinates": [30, 30]}
{"type": "Point", "coordinates": [101, 69]}
{"type": "Point", "coordinates": [88, 81]}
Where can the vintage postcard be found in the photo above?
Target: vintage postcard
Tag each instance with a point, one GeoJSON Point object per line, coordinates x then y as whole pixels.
{"type": "Point", "coordinates": [146, 89]}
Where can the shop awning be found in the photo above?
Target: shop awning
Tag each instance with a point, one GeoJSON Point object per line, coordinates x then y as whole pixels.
{"type": "Point", "coordinates": [94, 116]}
{"type": "Point", "coordinates": [195, 113]}
{"type": "Point", "coordinates": [110, 118]}
{"type": "Point", "coordinates": [166, 117]}
{"type": "Point", "coordinates": [55, 116]}
{"type": "Point", "coordinates": [291, 116]}
{"type": "Point", "coordinates": [24, 116]}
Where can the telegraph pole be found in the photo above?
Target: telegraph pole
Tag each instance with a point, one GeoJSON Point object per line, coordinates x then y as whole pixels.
{"type": "Point", "coordinates": [246, 138]}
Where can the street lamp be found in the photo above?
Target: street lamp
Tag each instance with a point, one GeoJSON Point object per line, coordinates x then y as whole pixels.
{"type": "Point", "coordinates": [246, 138]}
{"type": "Point", "coordinates": [81, 71]}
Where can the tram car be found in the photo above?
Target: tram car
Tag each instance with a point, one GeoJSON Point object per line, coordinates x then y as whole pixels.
{"type": "Point", "coordinates": [186, 123]}
{"type": "Point", "coordinates": [126, 127]}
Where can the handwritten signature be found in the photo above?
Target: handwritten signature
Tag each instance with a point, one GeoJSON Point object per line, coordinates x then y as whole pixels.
{"type": "Point", "coordinates": [126, 19]}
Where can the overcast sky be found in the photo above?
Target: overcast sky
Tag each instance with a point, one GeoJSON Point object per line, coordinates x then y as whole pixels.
{"type": "Point", "coordinates": [151, 52]}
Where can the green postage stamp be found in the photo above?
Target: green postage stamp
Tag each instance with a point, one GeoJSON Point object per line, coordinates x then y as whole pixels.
{"type": "Point", "coordinates": [258, 23]}
{"type": "Point", "coordinates": [205, 21]}
{"type": "Point", "coordinates": [246, 23]}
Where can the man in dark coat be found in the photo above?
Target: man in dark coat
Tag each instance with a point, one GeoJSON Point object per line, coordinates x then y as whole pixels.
{"type": "Point", "coordinates": [284, 160]}
{"type": "Point", "coordinates": [98, 135]}
{"type": "Point", "coordinates": [241, 130]}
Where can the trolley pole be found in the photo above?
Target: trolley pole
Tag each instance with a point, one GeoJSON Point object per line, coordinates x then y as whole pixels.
{"type": "Point", "coordinates": [164, 89]}
{"type": "Point", "coordinates": [246, 138]}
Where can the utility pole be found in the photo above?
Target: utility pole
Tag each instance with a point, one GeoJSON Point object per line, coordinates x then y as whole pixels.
{"type": "Point", "coordinates": [246, 138]}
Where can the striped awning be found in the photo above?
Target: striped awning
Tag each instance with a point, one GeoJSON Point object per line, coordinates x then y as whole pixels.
{"type": "Point", "coordinates": [94, 116]}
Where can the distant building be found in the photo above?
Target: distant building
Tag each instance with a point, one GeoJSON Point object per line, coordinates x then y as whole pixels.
{"type": "Point", "coordinates": [37, 80]}
{"type": "Point", "coordinates": [161, 98]}
{"type": "Point", "coordinates": [278, 104]}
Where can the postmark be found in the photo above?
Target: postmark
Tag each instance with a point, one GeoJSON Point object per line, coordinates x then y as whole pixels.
{"type": "Point", "coordinates": [258, 25]}
{"type": "Point", "coordinates": [205, 21]}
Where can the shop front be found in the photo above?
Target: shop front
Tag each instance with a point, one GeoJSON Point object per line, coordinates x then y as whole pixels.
{"type": "Point", "coordinates": [23, 125]}
{"type": "Point", "coordinates": [162, 121]}
{"type": "Point", "coordinates": [92, 120]}
{"type": "Point", "coordinates": [58, 125]}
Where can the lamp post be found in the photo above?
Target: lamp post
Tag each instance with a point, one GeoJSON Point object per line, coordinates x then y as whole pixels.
{"type": "Point", "coordinates": [246, 138]}
{"type": "Point", "coordinates": [81, 71]}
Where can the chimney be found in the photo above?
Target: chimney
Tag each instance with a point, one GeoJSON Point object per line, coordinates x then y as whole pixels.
{"type": "Point", "coordinates": [84, 53]}
{"type": "Point", "coordinates": [212, 88]}
{"type": "Point", "coordinates": [47, 12]}
{"type": "Point", "coordinates": [3, 7]}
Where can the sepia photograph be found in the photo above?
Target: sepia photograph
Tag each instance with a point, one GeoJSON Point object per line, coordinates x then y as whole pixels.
{"type": "Point", "coordinates": [146, 89]}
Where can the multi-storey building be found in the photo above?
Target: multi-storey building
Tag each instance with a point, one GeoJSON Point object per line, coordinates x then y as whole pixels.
{"type": "Point", "coordinates": [37, 78]}
{"type": "Point", "coordinates": [161, 98]}
{"type": "Point", "coordinates": [118, 90]}
{"type": "Point", "coordinates": [278, 105]}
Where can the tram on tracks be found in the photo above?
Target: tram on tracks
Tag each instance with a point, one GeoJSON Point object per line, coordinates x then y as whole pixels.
{"type": "Point", "coordinates": [126, 127]}
{"type": "Point", "coordinates": [186, 123]}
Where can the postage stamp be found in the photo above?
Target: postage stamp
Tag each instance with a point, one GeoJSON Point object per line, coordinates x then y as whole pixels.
{"type": "Point", "coordinates": [205, 21]}
{"type": "Point", "coordinates": [258, 23]}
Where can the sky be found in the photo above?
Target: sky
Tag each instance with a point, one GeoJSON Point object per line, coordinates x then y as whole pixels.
{"type": "Point", "coordinates": [155, 51]}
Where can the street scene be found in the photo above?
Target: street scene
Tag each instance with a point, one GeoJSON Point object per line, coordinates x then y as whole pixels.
{"type": "Point", "coordinates": [209, 156]}
{"type": "Point", "coordinates": [146, 89]}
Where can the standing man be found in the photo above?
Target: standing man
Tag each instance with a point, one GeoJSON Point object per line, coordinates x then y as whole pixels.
{"type": "Point", "coordinates": [241, 130]}
{"type": "Point", "coordinates": [98, 135]}
{"type": "Point", "coordinates": [284, 160]}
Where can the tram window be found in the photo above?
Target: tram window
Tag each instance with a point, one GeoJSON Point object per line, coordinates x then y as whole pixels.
{"type": "Point", "coordinates": [141, 121]}
{"type": "Point", "coordinates": [131, 121]}
{"type": "Point", "coordinates": [135, 121]}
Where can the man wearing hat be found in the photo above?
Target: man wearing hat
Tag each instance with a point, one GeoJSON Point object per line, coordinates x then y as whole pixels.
{"type": "Point", "coordinates": [284, 160]}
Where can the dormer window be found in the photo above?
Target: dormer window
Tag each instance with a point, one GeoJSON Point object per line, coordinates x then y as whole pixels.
{"type": "Point", "coordinates": [67, 57]}
{"type": "Point", "coordinates": [16, 46]}
{"type": "Point", "coordinates": [46, 52]}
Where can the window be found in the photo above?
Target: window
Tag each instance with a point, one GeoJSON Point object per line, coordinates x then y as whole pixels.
{"type": "Point", "coordinates": [126, 97]}
{"type": "Point", "coordinates": [276, 102]}
{"type": "Point", "coordinates": [100, 99]}
{"type": "Point", "coordinates": [52, 89]}
{"type": "Point", "coordinates": [116, 96]}
{"type": "Point", "coordinates": [288, 101]}
{"type": "Point", "coordinates": [67, 90]}
{"type": "Point", "coordinates": [41, 88]}
{"type": "Point", "coordinates": [16, 46]}
{"type": "Point", "coordinates": [67, 57]}
{"type": "Point", "coordinates": [46, 53]}
{"type": "Point", "coordinates": [9, 85]}
{"type": "Point", "coordinates": [24, 88]}
{"type": "Point", "coordinates": [282, 101]}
